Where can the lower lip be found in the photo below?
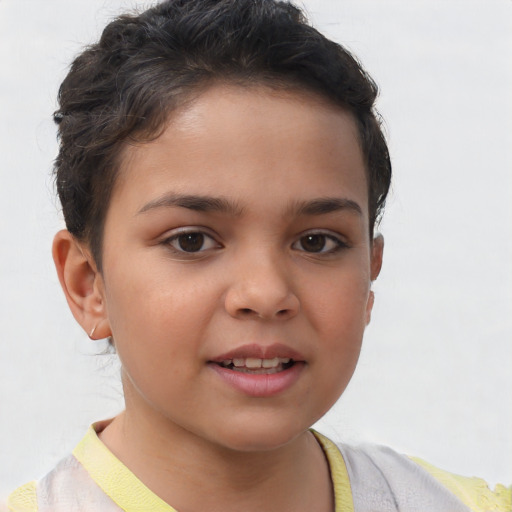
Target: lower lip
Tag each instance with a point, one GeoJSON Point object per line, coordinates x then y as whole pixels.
{"type": "Point", "coordinates": [260, 385]}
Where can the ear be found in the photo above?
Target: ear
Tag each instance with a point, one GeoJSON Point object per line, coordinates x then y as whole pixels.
{"type": "Point", "coordinates": [82, 284]}
{"type": "Point", "coordinates": [377, 250]}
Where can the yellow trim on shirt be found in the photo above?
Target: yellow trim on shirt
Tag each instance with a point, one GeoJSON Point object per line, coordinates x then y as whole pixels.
{"type": "Point", "coordinates": [24, 498]}
{"type": "Point", "coordinates": [114, 478]}
{"type": "Point", "coordinates": [129, 493]}
{"type": "Point", "coordinates": [473, 492]}
{"type": "Point", "coordinates": [341, 483]}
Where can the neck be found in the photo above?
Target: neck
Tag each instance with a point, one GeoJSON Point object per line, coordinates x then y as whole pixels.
{"type": "Point", "coordinates": [192, 474]}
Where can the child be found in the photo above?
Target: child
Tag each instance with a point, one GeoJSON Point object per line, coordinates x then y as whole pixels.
{"type": "Point", "coordinates": [221, 172]}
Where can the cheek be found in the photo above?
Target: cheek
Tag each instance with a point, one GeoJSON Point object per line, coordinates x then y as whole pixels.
{"type": "Point", "coordinates": [157, 312]}
{"type": "Point", "coordinates": [158, 329]}
{"type": "Point", "coordinates": [340, 320]}
{"type": "Point", "coordinates": [153, 288]}
{"type": "Point", "coordinates": [339, 309]}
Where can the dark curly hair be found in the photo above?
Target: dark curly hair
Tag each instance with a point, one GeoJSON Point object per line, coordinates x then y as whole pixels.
{"type": "Point", "coordinates": [124, 87]}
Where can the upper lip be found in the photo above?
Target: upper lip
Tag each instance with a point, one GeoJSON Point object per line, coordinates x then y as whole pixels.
{"type": "Point", "coordinates": [260, 352]}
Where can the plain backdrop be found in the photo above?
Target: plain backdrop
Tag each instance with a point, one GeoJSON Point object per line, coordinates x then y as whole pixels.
{"type": "Point", "coordinates": [435, 378]}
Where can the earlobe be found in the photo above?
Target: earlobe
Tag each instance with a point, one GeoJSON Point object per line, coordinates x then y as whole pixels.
{"type": "Point", "coordinates": [377, 251]}
{"type": "Point", "coordinates": [369, 307]}
{"type": "Point", "coordinates": [82, 284]}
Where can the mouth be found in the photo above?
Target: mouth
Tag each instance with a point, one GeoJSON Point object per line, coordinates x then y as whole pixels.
{"type": "Point", "coordinates": [257, 366]}
{"type": "Point", "coordinates": [259, 371]}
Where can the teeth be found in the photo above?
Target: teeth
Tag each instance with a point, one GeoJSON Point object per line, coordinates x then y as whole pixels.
{"type": "Point", "coordinates": [270, 363]}
{"type": "Point", "coordinates": [254, 363]}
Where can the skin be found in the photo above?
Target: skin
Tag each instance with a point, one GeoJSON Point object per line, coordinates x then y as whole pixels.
{"type": "Point", "coordinates": [191, 437]}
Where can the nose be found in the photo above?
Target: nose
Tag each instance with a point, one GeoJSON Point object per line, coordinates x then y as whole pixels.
{"type": "Point", "coordinates": [261, 287]}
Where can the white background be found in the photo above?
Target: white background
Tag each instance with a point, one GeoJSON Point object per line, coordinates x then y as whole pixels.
{"type": "Point", "coordinates": [435, 375]}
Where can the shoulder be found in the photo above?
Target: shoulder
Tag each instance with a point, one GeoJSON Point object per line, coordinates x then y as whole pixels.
{"type": "Point", "coordinates": [380, 474]}
{"type": "Point", "coordinates": [473, 491]}
{"type": "Point", "coordinates": [23, 499]}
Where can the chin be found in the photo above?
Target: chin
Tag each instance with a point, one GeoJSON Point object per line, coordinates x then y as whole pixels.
{"type": "Point", "coordinates": [258, 436]}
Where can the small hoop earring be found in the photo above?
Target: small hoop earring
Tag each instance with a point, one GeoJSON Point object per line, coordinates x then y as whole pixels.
{"type": "Point", "coordinates": [92, 331]}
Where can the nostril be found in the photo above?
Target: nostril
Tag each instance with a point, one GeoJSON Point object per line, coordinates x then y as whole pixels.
{"type": "Point", "coordinates": [250, 312]}
{"type": "Point", "coordinates": [250, 302]}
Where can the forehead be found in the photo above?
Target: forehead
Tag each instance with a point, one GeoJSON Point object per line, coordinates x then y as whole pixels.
{"type": "Point", "coordinates": [238, 141]}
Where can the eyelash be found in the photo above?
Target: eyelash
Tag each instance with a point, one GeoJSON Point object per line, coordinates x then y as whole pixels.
{"type": "Point", "coordinates": [200, 238]}
{"type": "Point", "coordinates": [338, 243]}
{"type": "Point", "coordinates": [204, 238]}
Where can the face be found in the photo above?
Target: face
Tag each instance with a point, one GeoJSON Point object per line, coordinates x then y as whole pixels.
{"type": "Point", "coordinates": [237, 266]}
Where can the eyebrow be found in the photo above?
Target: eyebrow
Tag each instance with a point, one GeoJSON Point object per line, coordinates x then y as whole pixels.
{"type": "Point", "coordinates": [325, 205]}
{"type": "Point", "coordinates": [320, 206]}
{"type": "Point", "coordinates": [194, 202]}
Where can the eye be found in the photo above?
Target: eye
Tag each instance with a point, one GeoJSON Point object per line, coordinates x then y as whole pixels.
{"type": "Point", "coordinates": [319, 243]}
{"type": "Point", "coordinates": [191, 242]}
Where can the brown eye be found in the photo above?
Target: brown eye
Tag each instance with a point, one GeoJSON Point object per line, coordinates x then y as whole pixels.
{"type": "Point", "coordinates": [313, 243]}
{"type": "Point", "coordinates": [191, 242]}
{"type": "Point", "coordinates": [319, 243]}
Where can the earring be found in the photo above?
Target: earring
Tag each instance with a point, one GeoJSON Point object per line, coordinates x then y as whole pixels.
{"type": "Point", "coordinates": [92, 332]}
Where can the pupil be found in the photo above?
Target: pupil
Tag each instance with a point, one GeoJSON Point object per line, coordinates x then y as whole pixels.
{"type": "Point", "coordinates": [191, 242]}
{"type": "Point", "coordinates": [313, 243]}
